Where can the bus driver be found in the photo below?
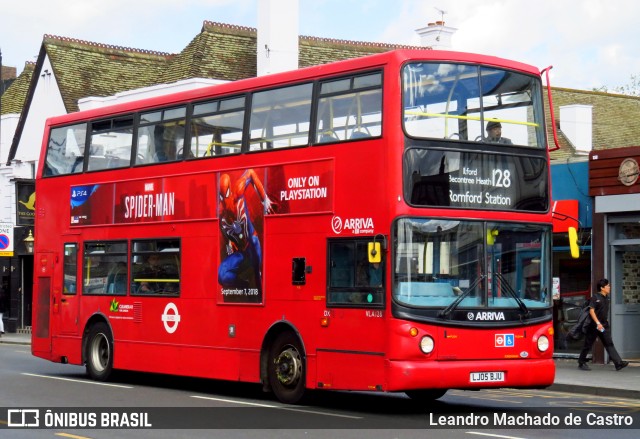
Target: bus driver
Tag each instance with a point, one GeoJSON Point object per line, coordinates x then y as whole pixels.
{"type": "Point", "coordinates": [494, 133]}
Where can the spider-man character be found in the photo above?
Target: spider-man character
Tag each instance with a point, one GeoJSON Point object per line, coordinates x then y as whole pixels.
{"type": "Point", "coordinates": [242, 266]}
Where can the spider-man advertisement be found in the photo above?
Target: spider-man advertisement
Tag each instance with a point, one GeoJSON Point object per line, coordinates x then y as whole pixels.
{"type": "Point", "coordinates": [245, 197]}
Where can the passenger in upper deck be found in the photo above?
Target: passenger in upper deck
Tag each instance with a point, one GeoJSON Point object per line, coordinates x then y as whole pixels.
{"type": "Point", "coordinates": [494, 133]}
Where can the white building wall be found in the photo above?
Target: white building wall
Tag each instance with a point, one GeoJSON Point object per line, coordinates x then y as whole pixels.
{"type": "Point", "coordinates": [7, 189]}
{"type": "Point", "coordinates": [9, 123]}
{"type": "Point", "coordinates": [46, 102]}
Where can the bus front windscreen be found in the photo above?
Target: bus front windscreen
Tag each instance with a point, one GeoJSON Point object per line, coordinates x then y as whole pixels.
{"type": "Point", "coordinates": [446, 264]}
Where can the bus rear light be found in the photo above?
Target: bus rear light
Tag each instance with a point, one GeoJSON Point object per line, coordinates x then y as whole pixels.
{"type": "Point", "coordinates": [324, 322]}
{"type": "Point", "coordinates": [427, 344]}
{"type": "Point", "coordinates": [413, 332]}
{"type": "Point", "coordinates": [543, 343]}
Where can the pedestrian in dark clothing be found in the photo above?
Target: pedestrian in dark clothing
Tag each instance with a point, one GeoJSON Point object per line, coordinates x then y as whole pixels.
{"type": "Point", "coordinates": [599, 328]}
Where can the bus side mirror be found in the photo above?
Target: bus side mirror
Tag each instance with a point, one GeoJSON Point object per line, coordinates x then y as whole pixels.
{"type": "Point", "coordinates": [573, 243]}
{"type": "Point", "coordinates": [373, 250]}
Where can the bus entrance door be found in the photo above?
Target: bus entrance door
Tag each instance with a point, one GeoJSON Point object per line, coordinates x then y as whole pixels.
{"type": "Point", "coordinates": [43, 306]}
{"type": "Point", "coordinates": [65, 288]}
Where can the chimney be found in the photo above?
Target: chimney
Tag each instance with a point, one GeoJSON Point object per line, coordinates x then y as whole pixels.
{"type": "Point", "coordinates": [576, 125]}
{"type": "Point", "coordinates": [277, 36]}
{"type": "Point", "coordinates": [436, 35]}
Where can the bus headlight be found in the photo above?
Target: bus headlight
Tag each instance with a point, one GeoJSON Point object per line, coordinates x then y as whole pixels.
{"type": "Point", "coordinates": [543, 343]}
{"type": "Point", "coordinates": [426, 344]}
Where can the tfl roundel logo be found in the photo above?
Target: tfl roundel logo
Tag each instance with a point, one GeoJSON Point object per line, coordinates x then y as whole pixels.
{"type": "Point", "coordinates": [505, 340]}
{"type": "Point", "coordinates": [336, 225]}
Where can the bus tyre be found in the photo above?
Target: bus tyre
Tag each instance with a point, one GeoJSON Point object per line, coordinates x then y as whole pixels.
{"type": "Point", "coordinates": [99, 353]}
{"type": "Point", "coordinates": [426, 395]}
{"type": "Point", "coordinates": [286, 368]}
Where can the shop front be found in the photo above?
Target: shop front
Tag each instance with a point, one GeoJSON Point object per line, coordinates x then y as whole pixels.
{"type": "Point", "coordinates": [615, 185]}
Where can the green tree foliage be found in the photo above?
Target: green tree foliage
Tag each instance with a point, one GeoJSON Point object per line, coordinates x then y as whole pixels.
{"type": "Point", "coordinates": [630, 89]}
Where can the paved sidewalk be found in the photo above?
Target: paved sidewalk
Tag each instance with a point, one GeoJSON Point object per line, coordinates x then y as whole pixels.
{"type": "Point", "coordinates": [601, 380]}
{"type": "Point", "coordinates": [15, 338]}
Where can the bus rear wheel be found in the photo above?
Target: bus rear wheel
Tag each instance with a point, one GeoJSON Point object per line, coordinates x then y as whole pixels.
{"type": "Point", "coordinates": [426, 395]}
{"type": "Point", "coordinates": [99, 353]}
{"type": "Point", "coordinates": [286, 368]}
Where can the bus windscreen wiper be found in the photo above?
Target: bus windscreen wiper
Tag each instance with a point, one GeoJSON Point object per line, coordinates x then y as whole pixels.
{"type": "Point", "coordinates": [445, 312]}
{"type": "Point", "coordinates": [512, 293]}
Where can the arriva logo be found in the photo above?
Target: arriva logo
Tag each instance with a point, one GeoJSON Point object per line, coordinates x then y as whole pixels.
{"type": "Point", "coordinates": [357, 226]}
{"type": "Point", "coordinates": [486, 315]}
{"type": "Point", "coordinates": [336, 225]}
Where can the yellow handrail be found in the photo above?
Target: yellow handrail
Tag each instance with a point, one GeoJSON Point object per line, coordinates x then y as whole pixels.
{"type": "Point", "coordinates": [455, 116]}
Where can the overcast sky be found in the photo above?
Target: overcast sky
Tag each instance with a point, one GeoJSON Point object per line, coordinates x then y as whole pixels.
{"type": "Point", "coordinates": [590, 43]}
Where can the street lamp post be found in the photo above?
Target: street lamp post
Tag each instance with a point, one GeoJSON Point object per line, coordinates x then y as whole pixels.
{"type": "Point", "coordinates": [28, 243]}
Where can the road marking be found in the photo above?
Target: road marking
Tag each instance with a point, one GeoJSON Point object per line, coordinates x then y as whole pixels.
{"type": "Point", "coordinates": [254, 404]}
{"type": "Point", "coordinates": [487, 398]}
{"type": "Point", "coordinates": [271, 406]}
{"type": "Point", "coordinates": [73, 436]}
{"type": "Point", "coordinates": [493, 435]}
{"type": "Point", "coordinates": [97, 383]}
{"type": "Point", "coordinates": [313, 412]}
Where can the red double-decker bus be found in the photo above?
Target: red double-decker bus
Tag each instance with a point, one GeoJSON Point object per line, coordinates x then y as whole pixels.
{"type": "Point", "coordinates": [381, 223]}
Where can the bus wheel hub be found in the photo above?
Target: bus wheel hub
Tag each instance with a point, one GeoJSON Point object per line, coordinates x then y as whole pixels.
{"type": "Point", "coordinates": [288, 367]}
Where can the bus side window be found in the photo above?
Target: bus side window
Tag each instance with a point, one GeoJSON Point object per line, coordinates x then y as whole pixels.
{"type": "Point", "coordinates": [161, 136]}
{"type": "Point", "coordinates": [70, 269]}
{"type": "Point", "coordinates": [352, 279]}
{"type": "Point", "coordinates": [216, 128]}
{"type": "Point", "coordinates": [102, 261]}
{"type": "Point", "coordinates": [349, 108]}
{"type": "Point", "coordinates": [65, 150]}
{"type": "Point", "coordinates": [155, 267]}
{"type": "Point", "coordinates": [280, 118]}
{"type": "Point", "coordinates": [111, 142]}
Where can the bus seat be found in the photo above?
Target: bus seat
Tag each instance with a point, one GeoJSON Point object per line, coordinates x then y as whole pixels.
{"type": "Point", "coordinates": [328, 137]}
{"type": "Point", "coordinates": [117, 280]}
{"type": "Point", "coordinates": [359, 134]}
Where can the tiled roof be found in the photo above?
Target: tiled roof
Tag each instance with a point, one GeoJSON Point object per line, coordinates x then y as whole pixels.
{"type": "Point", "coordinates": [220, 51]}
{"type": "Point", "coordinates": [84, 68]}
{"type": "Point", "coordinates": [228, 52]}
{"type": "Point", "coordinates": [612, 120]}
{"type": "Point", "coordinates": [315, 51]}
{"type": "Point", "coordinates": [14, 97]}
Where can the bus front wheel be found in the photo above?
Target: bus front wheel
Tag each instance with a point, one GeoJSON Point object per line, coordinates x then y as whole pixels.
{"type": "Point", "coordinates": [99, 353]}
{"type": "Point", "coordinates": [286, 368]}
